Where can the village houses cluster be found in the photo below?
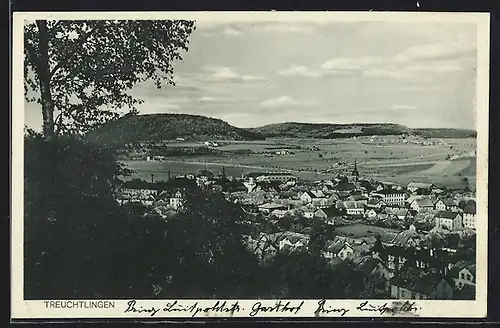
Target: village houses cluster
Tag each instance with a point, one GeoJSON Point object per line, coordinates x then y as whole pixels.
{"type": "Point", "coordinates": [386, 229]}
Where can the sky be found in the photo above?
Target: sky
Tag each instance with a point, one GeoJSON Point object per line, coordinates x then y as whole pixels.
{"type": "Point", "coordinates": [256, 73]}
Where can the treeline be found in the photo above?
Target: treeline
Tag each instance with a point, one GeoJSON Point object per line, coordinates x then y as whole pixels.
{"type": "Point", "coordinates": [332, 131]}
{"type": "Point", "coordinates": [329, 131]}
{"type": "Point", "coordinates": [445, 133]}
{"type": "Point", "coordinates": [79, 243]}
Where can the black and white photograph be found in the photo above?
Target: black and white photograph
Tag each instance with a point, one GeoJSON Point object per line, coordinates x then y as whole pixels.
{"type": "Point", "coordinates": [250, 164]}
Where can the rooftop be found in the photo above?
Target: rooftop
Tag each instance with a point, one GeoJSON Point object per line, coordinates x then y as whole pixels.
{"type": "Point", "coordinates": [420, 185]}
{"type": "Point", "coordinates": [271, 206]}
{"type": "Point", "coordinates": [447, 215]}
{"type": "Point", "coordinates": [470, 209]}
{"type": "Point", "coordinates": [257, 174]}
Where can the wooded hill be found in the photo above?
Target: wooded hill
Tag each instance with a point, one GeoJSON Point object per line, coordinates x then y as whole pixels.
{"type": "Point", "coordinates": [158, 127]}
{"type": "Point", "coordinates": [327, 131]}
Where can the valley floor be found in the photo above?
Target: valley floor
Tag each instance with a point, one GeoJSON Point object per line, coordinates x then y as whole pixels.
{"type": "Point", "coordinates": [321, 159]}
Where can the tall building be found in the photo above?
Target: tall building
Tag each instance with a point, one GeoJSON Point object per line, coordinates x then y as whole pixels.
{"type": "Point", "coordinates": [355, 172]}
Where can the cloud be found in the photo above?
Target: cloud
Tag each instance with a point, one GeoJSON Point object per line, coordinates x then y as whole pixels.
{"type": "Point", "coordinates": [403, 107]}
{"type": "Point", "coordinates": [299, 70]}
{"type": "Point", "coordinates": [223, 73]}
{"type": "Point", "coordinates": [387, 72]}
{"type": "Point", "coordinates": [437, 57]}
{"type": "Point", "coordinates": [355, 63]}
{"type": "Point", "coordinates": [283, 101]}
{"type": "Point", "coordinates": [232, 32]}
{"type": "Point", "coordinates": [436, 67]}
{"type": "Point", "coordinates": [451, 49]}
{"type": "Point", "coordinates": [286, 27]}
{"type": "Point", "coordinates": [210, 99]}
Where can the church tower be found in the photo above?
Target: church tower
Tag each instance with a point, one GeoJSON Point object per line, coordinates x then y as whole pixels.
{"type": "Point", "coordinates": [355, 172]}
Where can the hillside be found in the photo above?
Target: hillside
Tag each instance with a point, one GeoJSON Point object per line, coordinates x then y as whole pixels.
{"type": "Point", "coordinates": [445, 133]}
{"type": "Point", "coordinates": [156, 127]}
{"type": "Point", "coordinates": [327, 131]}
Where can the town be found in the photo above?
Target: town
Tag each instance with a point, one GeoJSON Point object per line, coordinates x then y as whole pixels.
{"type": "Point", "coordinates": [419, 237]}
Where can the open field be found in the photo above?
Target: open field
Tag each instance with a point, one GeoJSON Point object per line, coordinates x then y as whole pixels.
{"type": "Point", "coordinates": [314, 159]}
{"type": "Point", "coordinates": [362, 230]}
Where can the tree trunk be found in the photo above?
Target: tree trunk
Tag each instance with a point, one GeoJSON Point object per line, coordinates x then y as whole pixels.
{"type": "Point", "coordinates": [43, 71]}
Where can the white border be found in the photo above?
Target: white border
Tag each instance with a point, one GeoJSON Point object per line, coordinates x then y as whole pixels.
{"type": "Point", "coordinates": [22, 309]}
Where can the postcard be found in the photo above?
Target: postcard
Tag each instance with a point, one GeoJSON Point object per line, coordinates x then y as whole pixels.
{"type": "Point", "coordinates": [249, 164]}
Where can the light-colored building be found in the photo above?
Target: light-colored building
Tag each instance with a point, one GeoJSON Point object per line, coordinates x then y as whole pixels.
{"type": "Point", "coordinates": [280, 213]}
{"type": "Point", "coordinates": [446, 205]}
{"type": "Point", "coordinates": [416, 187]}
{"type": "Point", "coordinates": [463, 274]}
{"type": "Point", "coordinates": [422, 204]}
{"type": "Point", "coordinates": [341, 251]}
{"type": "Point", "coordinates": [270, 207]}
{"type": "Point", "coordinates": [272, 176]}
{"type": "Point", "coordinates": [448, 220]}
{"type": "Point", "coordinates": [312, 196]}
{"type": "Point", "coordinates": [176, 200]}
{"type": "Point", "coordinates": [391, 196]}
{"type": "Point", "coordinates": [469, 216]}
{"type": "Point", "coordinates": [354, 208]}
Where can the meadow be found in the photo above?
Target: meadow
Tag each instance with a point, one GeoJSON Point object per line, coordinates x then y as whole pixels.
{"type": "Point", "coordinates": [362, 230]}
{"type": "Point", "coordinates": [385, 159]}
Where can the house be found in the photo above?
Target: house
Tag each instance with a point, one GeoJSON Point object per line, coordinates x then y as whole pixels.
{"type": "Point", "coordinates": [308, 214]}
{"type": "Point", "coordinates": [420, 188]}
{"type": "Point", "coordinates": [320, 214]}
{"type": "Point", "coordinates": [446, 205]}
{"type": "Point", "coordinates": [147, 201]}
{"type": "Point", "coordinates": [332, 213]}
{"type": "Point", "coordinates": [469, 216]}
{"type": "Point", "coordinates": [422, 204]}
{"type": "Point", "coordinates": [328, 189]}
{"type": "Point", "coordinates": [138, 188]}
{"type": "Point", "coordinates": [176, 199]}
{"type": "Point", "coordinates": [338, 251]}
{"type": "Point", "coordinates": [407, 238]}
{"type": "Point", "coordinates": [250, 184]}
{"type": "Point", "coordinates": [283, 152]}
{"type": "Point", "coordinates": [412, 197]}
{"type": "Point", "coordinates": [448, 220]}
{"type": "Point", "coordinates": [310, 196]}
{"type": "Point", "coordinates": [403, 214]}
{"type": "Point", "coordinates": [263, 248]}
{"type": "Point", "coordinates": [372, 213]}
{"type": "Point", "coordinates": [280, 213]}
{"type": "Point", "coordinates": [269, 207]}
{"type": "Point", "coordinates": [358, 198]}
{"type": "Point", "coordinates": [397, 257]}
{"type": "Point", "coordinates": [463, 274]}
{"type": "Point", "coordinates": [272, 176]}
{"type": "Point", "coordinates": [354, 208]}
{"type": "Point", "coordinates": [376, 203]}
{"type": "Point", "coordinates": [421, 287]}
{"type": "Point", "coordinates": [391, 196]}
{"type": "Point", "coordinates": [293, 241]}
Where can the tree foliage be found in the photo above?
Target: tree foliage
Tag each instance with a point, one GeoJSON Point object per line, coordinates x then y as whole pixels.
{"type": "Point", "coordinates": [70, 216]}
{"type": "Point", "coordinates": [82, 71]}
